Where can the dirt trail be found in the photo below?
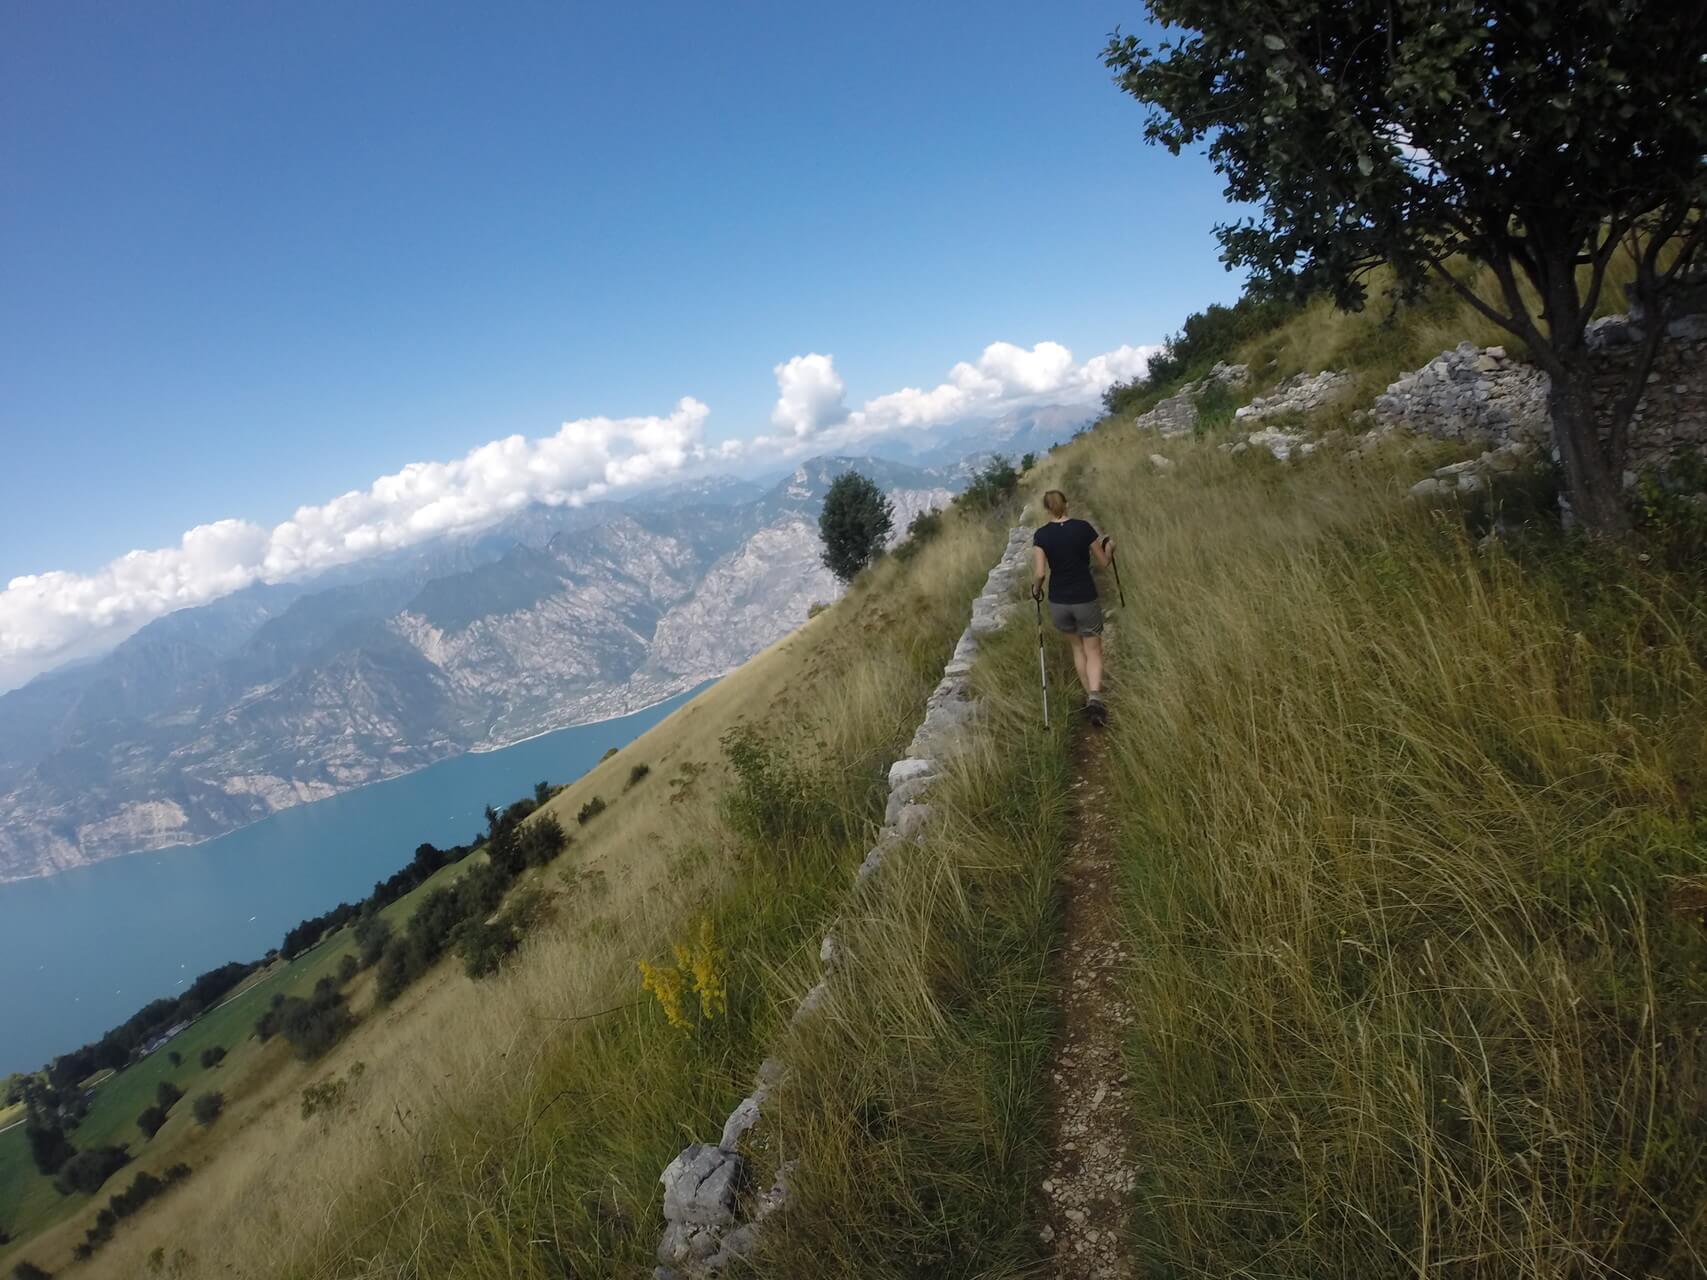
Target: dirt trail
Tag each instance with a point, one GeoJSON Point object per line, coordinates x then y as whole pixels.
{"type": "Point", "coordinates": [1091, 1174]}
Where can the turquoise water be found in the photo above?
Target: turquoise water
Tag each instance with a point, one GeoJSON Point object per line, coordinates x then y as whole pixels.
{"type": "Point", "coordinates": [82, 951]}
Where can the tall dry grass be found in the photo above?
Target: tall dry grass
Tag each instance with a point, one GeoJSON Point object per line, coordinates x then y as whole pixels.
{"type": "Point", "coordinates": [1414, 843]}
{"type": "Point", "coordinates": [517, 1127]}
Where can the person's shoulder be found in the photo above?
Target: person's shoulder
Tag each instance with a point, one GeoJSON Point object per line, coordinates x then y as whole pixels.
{"type": "Point", "coordinates": [1037, 535]}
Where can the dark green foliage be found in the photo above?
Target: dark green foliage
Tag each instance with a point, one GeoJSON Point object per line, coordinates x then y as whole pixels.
{"type": "Point", "coordinates": [543, 839]}
{"type": "Point", "coordinates": [29, 1271]}
{"type": "Point", "coordinates": [150, 1120]}
{"type": "Point", "coordinates": [1209, 337]}
{"type": "Point", "coordinates": [166, 1094]}
{"type": "Point", "coordinates": [776, 799]}
{"type": "Point", "coordinates": [637, 775]}
{"type": "Point", "coordinates": [592, 809]}
{"type": "Point", "coordinates": [992, 488]}
{"type": "Point", "coordinates": [854, 524]}
{"type": "Point", "coordinates": [922, 528]}
{"type": "Point", "coordinates": [1027, 462]}
{"type": "Point", "coordinates": [207, 1107]}
{"type": "Point", "coordinates": [49, 1147]}
{"type": "Point", "coordinates": [310, 1026]}
{"type": "Point", "coordinates": [348, 967]}
{"type": "Point", "coordinates": [174, 1057]}
{"type": "Point", "coordinates": [485, 946]}
{"type": "Point", "coordinates": [542, 791]}
{"type": "Point", "coordinates": [1418, 134]}
{"type": "Point", "coordinates": [212, 1056]}
{"type": "Point", "coordinates": [609, 752]}
{"type": "Point", "coordinates": [371, 935]}
{"type": "Point", "coordinates": [87, 1170]}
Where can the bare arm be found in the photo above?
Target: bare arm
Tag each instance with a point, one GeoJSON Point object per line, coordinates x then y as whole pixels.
{"type": "Point", "coordinates": [1039, 569]}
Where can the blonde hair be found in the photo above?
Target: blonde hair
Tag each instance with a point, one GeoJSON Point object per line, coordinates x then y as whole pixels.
{"type": "Point", "coordinates": [1055, 503]}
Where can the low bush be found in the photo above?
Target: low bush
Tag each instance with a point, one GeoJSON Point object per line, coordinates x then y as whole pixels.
{"type": "Point", "coordinates": [921, 529]}
{"type": "Point", "coordinates": [776, 797]}
{"type": "Point", "coordinates": [212, 1056]}
{"type": "Point", "coordinates": [311, 1026]}
{"type": "Point", "coordinates": [29, 1271]}
{"type": "Point", "coordinates": [166, 1095]}
{"type": "Point", "coordinates": [150, 1120]}
{"type": "Point", "coordinates": [143, 1188]}
{"type": "Point", "coordinates": [637, 775]}
{"type": "Point", "coordinates": [208, 1107]}
{"type": "Point", "coordinates": [592, 809]}
{"type": "Point", "coordinates": [87, 1170]}
{"type": "Point", "coordinates": [992, 488]}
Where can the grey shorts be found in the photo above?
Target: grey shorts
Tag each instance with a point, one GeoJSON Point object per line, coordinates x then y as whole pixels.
{"type": "Point", "coordinates": [1077, 619]}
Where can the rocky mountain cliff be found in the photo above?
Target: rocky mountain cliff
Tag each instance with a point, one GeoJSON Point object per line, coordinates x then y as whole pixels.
{"type": "Point", "coordinates": [215, 717]}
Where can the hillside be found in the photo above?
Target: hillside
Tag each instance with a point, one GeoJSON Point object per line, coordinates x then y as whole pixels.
{"type": "Point", "coordinates": [1398, 865]}
{"type": "Point", "coordinates": [215, 717]}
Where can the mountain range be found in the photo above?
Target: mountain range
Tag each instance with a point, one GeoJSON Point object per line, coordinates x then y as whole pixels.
{"type": "Point", "coordinates": [216, 716]}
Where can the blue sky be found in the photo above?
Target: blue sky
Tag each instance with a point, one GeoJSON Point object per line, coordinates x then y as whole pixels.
{"type": "Point", "coordinates": [258, 255]}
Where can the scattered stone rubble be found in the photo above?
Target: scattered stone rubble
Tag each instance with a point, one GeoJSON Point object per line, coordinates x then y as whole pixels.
{"type": "Point", "coordinates": [1301, 394]}
{"type": "Point", "coordinates": [711, 1214]}
{"type": "Point", "coordinates": [1177, 415]}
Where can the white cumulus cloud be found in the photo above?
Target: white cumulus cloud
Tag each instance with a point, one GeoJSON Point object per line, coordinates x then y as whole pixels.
{"type": "Point", "coordinates": [46, 615]}
{"type": "Point", "coordinates": [809, 395]}
{"type": "Point", "coordinates": [46, 618]}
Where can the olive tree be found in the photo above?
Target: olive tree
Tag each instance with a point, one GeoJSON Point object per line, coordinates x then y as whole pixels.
{"type": "Point", "coordinates": [1539, 138]}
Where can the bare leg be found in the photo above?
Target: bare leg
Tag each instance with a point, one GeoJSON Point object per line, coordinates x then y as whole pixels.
{"type": "Point", "coordinates": [1088, 658]}
{"type": "Point", "coordinates": [1077, 644]}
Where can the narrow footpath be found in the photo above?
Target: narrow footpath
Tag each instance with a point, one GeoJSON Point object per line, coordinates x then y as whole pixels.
{"type": "Point", "coordinates": [1091, 1174]}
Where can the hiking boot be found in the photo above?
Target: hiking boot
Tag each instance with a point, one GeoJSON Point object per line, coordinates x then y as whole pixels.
{"type": "Point", "coordinates": [1096, 713]}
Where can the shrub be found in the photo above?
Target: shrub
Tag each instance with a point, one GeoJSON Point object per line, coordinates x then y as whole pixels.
{"type": "Point", "coordinates": [371, 935]}
{"type": "Point", "coordinates": [700, 968]}
{"type": "Point", "coordinates": [166, 1094]}
{"type": "Point", "coordinates": [921, 529]}
{"type": "Point", "coordinates": [485, 946]}
{"type": "Point", "coordinates": [992, 487]}
{"type": "Point", "coordinates": [29, 1271]}
{"type": "Point", "coordinates": [87, 1170]}
{"type": "Point", "coordinates": [609, 752]}
{"type": "Point", "coordinates": [637, 775]}
{"type": "Point", "coordinates": [207, 1107]}
{"type": "Point", "coordinates": [592, 809]}
{"type": "Point", "coordinates": [213, 1055]}
{"type": "Point", "coordinates": [775, 799]}
{"type": "Point", "coordinates": [311, 1026]}
{"type": "Point", "coordinates": [150, 1120]}
{"type": "Point", "coordinates": [348, 968]}
{"type": "Point", "coordinates": [174, 1057]}
{"type": "Point", "coordinates": [543, 839]}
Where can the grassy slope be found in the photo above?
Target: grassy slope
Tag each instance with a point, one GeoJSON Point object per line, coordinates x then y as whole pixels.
{"type": "Point", "coordinates": [33, 1206]}
{"type": "Point", "coordinates": [517, 1127]}
{"type": "Point", "coordinates": [1415, 854]}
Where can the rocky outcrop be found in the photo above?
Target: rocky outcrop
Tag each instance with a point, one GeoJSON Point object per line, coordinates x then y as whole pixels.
{"type": "Point", "coordinates": [711, 1215]}
{"type": "Point", "coordinates": [1177, 415]}
{"type": "Point", "coordinates": [1300, 395]}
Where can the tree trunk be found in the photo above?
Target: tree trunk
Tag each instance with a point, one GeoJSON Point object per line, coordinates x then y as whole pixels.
{"type": "Point", "coordinates": [1597, 499]}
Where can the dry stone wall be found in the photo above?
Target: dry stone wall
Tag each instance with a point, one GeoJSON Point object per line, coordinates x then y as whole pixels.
{"type": "Point", "coordinates": [1481, 395]}
{"type": "Point", "coordinates": [712, 1215]}
{"type": "Point", "coordinates": [1177, 415]}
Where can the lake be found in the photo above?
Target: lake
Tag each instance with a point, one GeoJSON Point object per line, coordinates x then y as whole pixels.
{"type": "Point", "coordinates": [83, 950]}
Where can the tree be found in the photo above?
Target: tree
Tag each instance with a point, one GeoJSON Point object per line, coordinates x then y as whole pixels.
{"type": "Point", "coordinates": [213, 1055]}
{"type": "Point", "coordinates": [166, 1094]}
{"type": "Point", "coordinates": [854, 524]}
{"type": "Point", "coordinates": [87, 1170]}
{"type": "Point", "coordinates": [29, 1271]}
{"type": "Point", "coordinates": [1535, 137]}
{"type": "Point", "coordinates": [150, 1120]}
{"type": "Point", "coordinates": [207, 1107]}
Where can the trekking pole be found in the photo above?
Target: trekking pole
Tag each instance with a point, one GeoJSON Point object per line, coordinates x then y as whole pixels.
{"type": "Point", "coordinates": [1042, 665]}
{"type": "Point", "coordinates": [1114, 564]}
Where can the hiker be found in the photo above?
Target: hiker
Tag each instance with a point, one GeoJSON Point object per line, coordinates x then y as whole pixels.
{"type": "Point", "coordinates": [1061, 551]}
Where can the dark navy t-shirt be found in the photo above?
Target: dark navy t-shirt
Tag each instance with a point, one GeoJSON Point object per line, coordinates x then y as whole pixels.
{"type": "Point", "coordinates": [1067, 546]}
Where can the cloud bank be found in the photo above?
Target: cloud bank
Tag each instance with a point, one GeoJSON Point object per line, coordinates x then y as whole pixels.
{"type": "Point", "coordinates": [46, 618]}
